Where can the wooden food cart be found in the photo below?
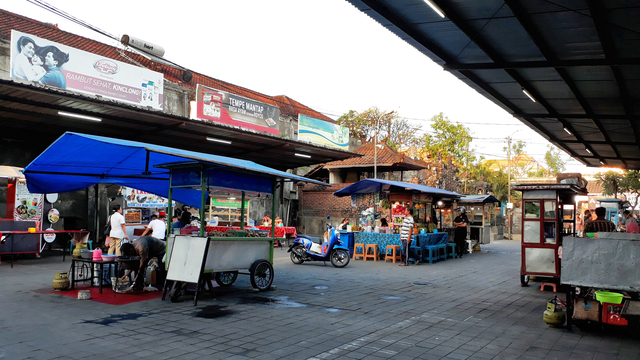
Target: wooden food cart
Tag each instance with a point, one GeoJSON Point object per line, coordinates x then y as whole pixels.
{"type": "Point", "coordinates": [543, 219]}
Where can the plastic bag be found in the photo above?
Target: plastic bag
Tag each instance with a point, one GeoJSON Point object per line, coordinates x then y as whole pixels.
{"type": "Point", "coordinates": [107, 241]}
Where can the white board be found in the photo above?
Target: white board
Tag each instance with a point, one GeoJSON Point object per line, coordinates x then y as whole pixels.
{"type": "Point", "coordinates": [187, 257]}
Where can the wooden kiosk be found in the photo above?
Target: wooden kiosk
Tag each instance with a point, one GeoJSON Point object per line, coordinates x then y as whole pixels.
{"type": "Point", "coordinates": [543, 220]}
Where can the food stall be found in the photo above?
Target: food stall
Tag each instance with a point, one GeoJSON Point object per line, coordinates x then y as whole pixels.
{"type": "Point", "coordinates": [481, 211]}
{"type": "Point", "coordinates": [603, 266]}
{"type": "Point", "coordinates": [184, 176]}
{"type": "Point", "coordinates": [543, 218]}
{"type": "Point", "coordinates": [424, 199]}
{"type": "Point", "coordinates": [615, 208]}
{"type": "Point", "coordinates": [139, 206]}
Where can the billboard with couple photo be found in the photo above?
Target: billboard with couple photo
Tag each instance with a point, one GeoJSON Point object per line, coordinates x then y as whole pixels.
{"type": "Point", "coordinates": [53, 64]}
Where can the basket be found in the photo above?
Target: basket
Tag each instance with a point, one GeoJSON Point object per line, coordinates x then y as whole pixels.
{"type": "Point", "coordinates": [609, 297]}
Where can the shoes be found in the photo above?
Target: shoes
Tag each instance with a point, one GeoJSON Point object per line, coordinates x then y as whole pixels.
{"type": "Point", "coordinates": [403, 264]}
{"type": "Point", "coordinates": [417, 262]}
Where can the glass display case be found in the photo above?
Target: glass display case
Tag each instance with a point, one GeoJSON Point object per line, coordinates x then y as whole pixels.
{"type": "Point", "coordinates": [227, 210]}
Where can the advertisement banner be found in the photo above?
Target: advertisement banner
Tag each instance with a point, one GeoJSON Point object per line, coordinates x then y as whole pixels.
{"type": "Point", "coordinates": [322, 133]}
{"type": "Point", "coordinates": [228, 203]}
{"type": "Point", "coordinates": [140, 199]}
{"type": "Point", "coordinates": [222, 107]}
{"type": "Point", "coordinates": [28, 206]}
{"type": "Point", "coordinates": [50, 63]}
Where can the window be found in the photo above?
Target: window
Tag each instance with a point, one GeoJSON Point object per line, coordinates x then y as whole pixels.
{"type": "Point", "coordinates": [532, 209]}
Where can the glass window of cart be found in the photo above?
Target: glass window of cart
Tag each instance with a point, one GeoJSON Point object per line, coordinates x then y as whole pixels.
{"type": "Point", "coordinates": [532, 209]}
{"type": "Point", "coordinates": [550, 209]}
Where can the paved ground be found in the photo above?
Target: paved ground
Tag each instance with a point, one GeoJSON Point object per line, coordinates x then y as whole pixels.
{"type": "Point", "coordinates": [470, 308]}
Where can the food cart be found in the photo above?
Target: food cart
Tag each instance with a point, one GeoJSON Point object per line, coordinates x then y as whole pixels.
{"type": "Point", "coordinates": [425, 200]}
{"type": "Point", "coordinates": [482, 212]}
{"type": "Point", "coordinates": [184, 176]}
{"type": "Point", "coordinates": [543, 219]}
{"type": "Point", "coordinates": [607, 262]}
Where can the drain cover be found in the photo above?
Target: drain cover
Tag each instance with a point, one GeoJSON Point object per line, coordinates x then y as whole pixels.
{"type": "Point", "coordinates": [422, 283]}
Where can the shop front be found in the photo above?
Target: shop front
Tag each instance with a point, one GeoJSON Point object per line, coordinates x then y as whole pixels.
{"type": "Point", "coordinates": [483, 211]}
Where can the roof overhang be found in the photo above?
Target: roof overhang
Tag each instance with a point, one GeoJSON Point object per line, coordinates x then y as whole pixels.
{"type": "Point", "coordinates": [579, 60]}
{"type": "Point", "coordinates": [29, 112]}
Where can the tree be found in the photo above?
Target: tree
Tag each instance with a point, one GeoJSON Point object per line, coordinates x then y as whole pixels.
{"type": "Point", "coordinates": [392, 130]}
{"type": "Point", "coordinates": [517, 164]}
{"type": "Point", "coordinates": [449, 139]}
{"type": "Point", "coordinates": [609, 182]}
{"type": "Point", "coordinates": [554, 162]}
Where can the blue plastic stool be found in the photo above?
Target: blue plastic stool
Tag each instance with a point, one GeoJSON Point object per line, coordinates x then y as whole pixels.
{"type": "Point", "coordinates": [442, 251]}
{"type": "Point", "coordinates": [451, 250]}
{"type": "Point", "coordinates": [431, 253]}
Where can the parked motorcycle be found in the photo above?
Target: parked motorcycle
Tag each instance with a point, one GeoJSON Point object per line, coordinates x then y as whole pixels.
{"type": "Point", "coordinates": [304, 249]}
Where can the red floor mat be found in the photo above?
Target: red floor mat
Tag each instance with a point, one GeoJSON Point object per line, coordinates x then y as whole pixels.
{"type": "Point", "coordinates": [107, 295]}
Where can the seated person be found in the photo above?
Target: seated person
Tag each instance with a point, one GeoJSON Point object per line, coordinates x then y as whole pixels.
{"type": "Point", "coordinates": [384, 221]}
{"type": "Point", "coordinates": [176, 224]}
{"type": "Point", "coordinates": [147, 247]}
{"type": "Point", "coordinates": [279, 222]}
{"type": "Point", "coordinates": [600, 224]}
{"type": "Point", "coordinates": [266, 220]}
{"type": "Point", "coordinates": [343, 224]}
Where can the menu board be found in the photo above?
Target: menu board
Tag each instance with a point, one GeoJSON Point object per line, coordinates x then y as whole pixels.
{"type": "Point", "coordinates": [141, 199]}
{"type": "Point", "coordinates": [28, 206]}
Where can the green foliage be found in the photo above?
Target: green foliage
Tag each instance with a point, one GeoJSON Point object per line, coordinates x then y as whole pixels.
{"type": "Point", "coordinates": [449, 139]}
{"type": "Point", "coordinates": [554, 162]}
{"type": "Point", "coordinates": [609, 181]}
{"type": "Point", "coordinates": [614, 183]}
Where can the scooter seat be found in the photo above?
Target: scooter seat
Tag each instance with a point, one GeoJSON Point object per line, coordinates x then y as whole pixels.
{"type": "Point", "coordinates": [315, 239]}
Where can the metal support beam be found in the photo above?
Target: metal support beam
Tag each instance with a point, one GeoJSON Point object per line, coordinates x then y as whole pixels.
{"type": "Point", "coordinates": [541, 64]}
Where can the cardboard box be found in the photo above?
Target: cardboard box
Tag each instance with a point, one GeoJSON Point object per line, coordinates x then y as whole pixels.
{"type": "Point", "coordinates": [586, 309]}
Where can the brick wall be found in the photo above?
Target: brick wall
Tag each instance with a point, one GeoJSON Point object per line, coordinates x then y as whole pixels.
{"type": "Point", "coordinates": [317, 201]}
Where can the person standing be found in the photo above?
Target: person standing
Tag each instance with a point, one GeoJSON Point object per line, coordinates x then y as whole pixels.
{"type": "Point", "coordinates": [185, 218]}
{"type": "Point", "coordinates": [586, 219]}
{"type": "Point", "coordinates": [118, 231]}
{"type": "Point", "coordinates": [579, 225]}
{"type": "Point", "coordinates": [157, 226]}
{"type": "Point", "coordinates": [460, 235]}
{"type": "Point", "coordinates": [405, 238]}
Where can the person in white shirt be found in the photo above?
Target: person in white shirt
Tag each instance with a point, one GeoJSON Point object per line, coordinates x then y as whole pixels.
{"type": "Point", "coordinates": [157, 226]}
{"type": "Point", "coordinates": [118, 231]}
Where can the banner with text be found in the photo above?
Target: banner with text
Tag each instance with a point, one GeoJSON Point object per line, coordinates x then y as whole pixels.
{"type": "Point", "coordinates": [54, 64]}
{"type": "Point", "coordinates": [322, 133]}
{"type": "Point", "coordinates": [222, 107]}
{"type": "Point", "coordinates": [140, 199]}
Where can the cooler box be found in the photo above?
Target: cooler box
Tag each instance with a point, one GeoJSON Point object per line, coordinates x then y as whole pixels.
{"type": "Point", "coordinates": [347, 238]}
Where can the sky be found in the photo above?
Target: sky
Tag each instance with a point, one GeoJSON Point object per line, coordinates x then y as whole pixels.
{"type": "Point", "coordinates": [325, 54]}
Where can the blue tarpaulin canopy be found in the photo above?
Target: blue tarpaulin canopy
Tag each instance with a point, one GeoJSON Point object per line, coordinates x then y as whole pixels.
{"type": "Point", "coordinates": [370, 186]}
{"type": "Point", "coordinates": [76, 161]}
{"type": "Point", "coordinates": [478, 199]}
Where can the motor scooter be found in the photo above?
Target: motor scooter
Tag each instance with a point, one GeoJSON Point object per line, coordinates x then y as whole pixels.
{"type": "Point", "coordinates": [304, 249]}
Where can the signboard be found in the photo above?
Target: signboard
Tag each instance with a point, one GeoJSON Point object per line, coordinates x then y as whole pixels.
{"type": "Point", "coordinates": [141, 199]}
{"type": "Point", "coordinates": [28, 206]}
{"type": "Point", "coordinates": [222, 107]}
{"type": "Point", "coordinates": [50, 63]}
{"type": "Point", "coordinates": [228, 203]}
{"type": "Point", "coordinates": [322, 133]}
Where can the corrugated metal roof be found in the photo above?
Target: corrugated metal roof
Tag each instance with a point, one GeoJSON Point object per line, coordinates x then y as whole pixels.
{"type": "Point", "coordinates": [579, 59]}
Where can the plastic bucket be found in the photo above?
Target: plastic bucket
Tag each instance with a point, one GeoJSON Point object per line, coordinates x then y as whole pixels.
{"type": "Point", "coordinates": [609, 297]}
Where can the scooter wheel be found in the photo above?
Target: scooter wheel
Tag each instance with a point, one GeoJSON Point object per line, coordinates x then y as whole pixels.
{"type": "Point", "coordinates": [295, 255]}
{"type": "Point", "coordinates": [340, 258]}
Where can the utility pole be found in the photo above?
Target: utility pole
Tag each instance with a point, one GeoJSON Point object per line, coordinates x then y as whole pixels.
{"type": "Point", "coordinates": [509, 184]}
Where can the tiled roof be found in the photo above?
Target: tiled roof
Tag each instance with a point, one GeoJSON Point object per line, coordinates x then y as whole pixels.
{"type": "Point", "coordinates": [386, 157]}
{"type": "Point", "coordinates": [11, 21]}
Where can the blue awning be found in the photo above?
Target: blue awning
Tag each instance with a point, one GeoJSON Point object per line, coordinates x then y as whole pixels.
{"type": "Point", "coordinates": [76, 161]}
{"type": "Point", "coordinates": [370, 186]}
{"type": "Point", "coordinates": [478, 199]}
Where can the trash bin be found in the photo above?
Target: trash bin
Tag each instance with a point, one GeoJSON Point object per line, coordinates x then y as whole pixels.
{"type": "Point", "coordinates": [347, 238]}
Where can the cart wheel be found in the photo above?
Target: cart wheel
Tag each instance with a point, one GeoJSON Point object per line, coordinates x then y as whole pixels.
{"type": "Point", "coordinates": [176, 291]}
{"type": "Point", "coordinates": [261, 275]}
{"type": "Point", "coordinates": [226, 278]}
{"type": "Point", "coordinates": [340, 258]}
{"type": "Point", "coordinates": [524, 280]}
{"type": "Point", "coordinates": [295, 255]}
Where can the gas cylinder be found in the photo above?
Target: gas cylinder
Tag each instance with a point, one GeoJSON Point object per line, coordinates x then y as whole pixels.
{"type": "Point", "coordinates": [61, 281]}
{"type": "Point", "coordinates": [554, 316]}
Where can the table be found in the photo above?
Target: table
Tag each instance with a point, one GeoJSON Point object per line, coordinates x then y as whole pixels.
{"type": "Point", "coordinates": [9, 234]}
{"type": "Point", "coordinates": [91, 262]}
{"type": "Point", "coordinates": [281, 232]}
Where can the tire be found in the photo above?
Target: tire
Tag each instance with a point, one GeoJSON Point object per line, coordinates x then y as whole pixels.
{"type": "Point", "coordinates": [261, 275]}
{"type": "Point", "coordinates": [524, 280]}
{"type": "Point", "coordinates": [225, 279]}
{"type": "Point", "coordinates": [295, 257]}
{"type": "Point", "coordinates": [340, 258]}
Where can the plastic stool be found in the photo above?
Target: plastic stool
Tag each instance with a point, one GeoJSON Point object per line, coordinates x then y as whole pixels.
{"type": "Point", "coordinates": [451, 250]}
{"type": "Point", "coordinates": [355, 251]}
{"type": "Point", "coordinates": [431, 253]}
{"type": "Point", "coordinates": [442, 251]}
{"type": "Point", "coordinates": [375, 252]}
{"type": "Point", "coordinates": [395, 253]}
{"type": "Point", "coordinates": [553, 285]}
